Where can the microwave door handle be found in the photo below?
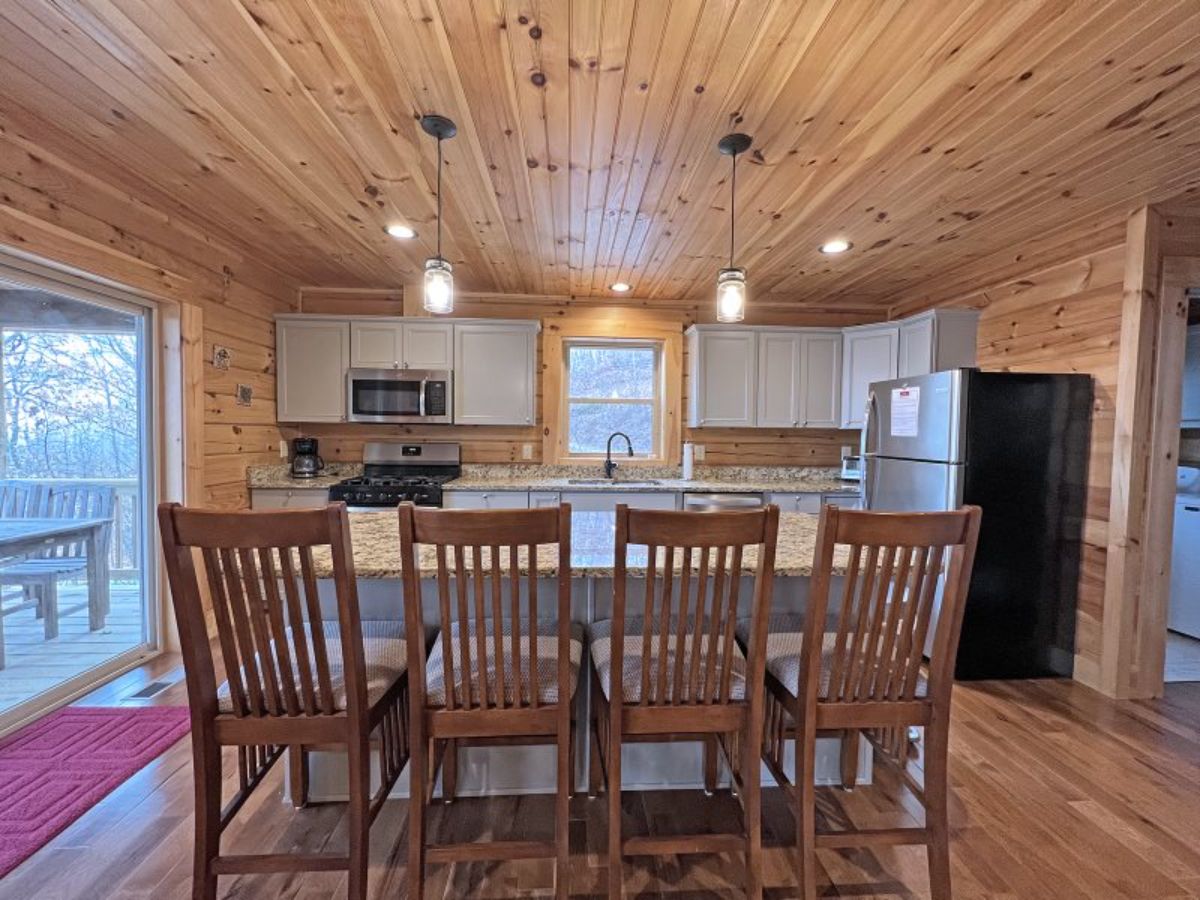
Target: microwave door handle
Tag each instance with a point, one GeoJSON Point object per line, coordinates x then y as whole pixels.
{"type": "Point", "coordinates": [421, 399]}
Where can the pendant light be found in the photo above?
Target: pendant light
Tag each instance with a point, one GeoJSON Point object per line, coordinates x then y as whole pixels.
{"type": "Point", "coordinates": [439, 274]}
{"type": "Point", "coordinates": [731, 281]}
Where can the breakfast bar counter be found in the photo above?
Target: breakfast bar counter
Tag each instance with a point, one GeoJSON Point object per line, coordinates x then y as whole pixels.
{"type": "Point", "coordinates": [518, 770]}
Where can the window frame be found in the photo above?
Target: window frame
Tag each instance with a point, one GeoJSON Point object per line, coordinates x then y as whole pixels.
{"type": "Point", "coordinates": [656, 453]}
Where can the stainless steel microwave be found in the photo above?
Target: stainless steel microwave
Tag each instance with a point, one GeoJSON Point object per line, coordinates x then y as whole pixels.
{"type": "Point", "coordinates": [399, 395]}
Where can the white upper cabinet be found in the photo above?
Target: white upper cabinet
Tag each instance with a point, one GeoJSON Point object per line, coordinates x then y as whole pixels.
{"type": "Point", "coordinates": [820, 379]}
{"type": "Point", "coordinates": [779, 379]}
{"type": "Point", "coordinates": [394, 344]}
{"type": "Point", "coordinates": [938, 340]}
{"type": "Point", "coordinates": [311, 358]}
{"type": "Point", "coordinates": [724, 376]}
{"type": "Point", "coordinates": [428, 345]}
{"type": "Point", "coordinates": [376, 345]}
{"type": "Point", "coordinates": [869, 353]}
{"type": "Point", "coordinates": [494, 373]}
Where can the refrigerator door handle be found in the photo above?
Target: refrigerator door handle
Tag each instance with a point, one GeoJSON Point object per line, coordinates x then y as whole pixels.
{"type": "Point", "coordinates": [869, 417]}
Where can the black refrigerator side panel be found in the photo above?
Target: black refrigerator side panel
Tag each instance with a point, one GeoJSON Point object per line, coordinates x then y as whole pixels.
{"type": "Point", "coordinates": [1028, 439]}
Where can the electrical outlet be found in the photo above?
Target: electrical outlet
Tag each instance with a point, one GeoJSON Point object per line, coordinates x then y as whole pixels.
{"type": "Point", "coordinates": [847, 450]}
{"type": "Point", "coordinates": [697, 452]}
{"type": "Point", "coordinates": [283, 453]}
{"type": "Point", "coordinates": [527, 451]}
{"type": "Point", "coordinates": [221, 357]}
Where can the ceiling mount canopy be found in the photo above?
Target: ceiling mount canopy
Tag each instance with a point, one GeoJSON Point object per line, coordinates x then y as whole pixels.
{"type": "Point", "coordinates": [731, 281]}
{"type": "Point", "coordinates": [439, 274]}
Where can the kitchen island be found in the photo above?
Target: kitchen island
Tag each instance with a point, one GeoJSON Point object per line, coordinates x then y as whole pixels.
{"type": "Point", "coordinates": [514, 770]}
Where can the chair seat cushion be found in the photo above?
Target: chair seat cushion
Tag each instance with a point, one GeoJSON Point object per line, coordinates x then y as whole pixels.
{"type": "Point", "coordinates": [385, 656]}
{"type": "Point", "coordinates": [546, 670]}
{"type": "Point", "coordinates": [785, 640]}
{"type": "Point", "coordinates": [600, 637]}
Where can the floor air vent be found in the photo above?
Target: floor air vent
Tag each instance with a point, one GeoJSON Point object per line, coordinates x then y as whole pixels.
{"type": "Point", "coordinates": [152, 689]}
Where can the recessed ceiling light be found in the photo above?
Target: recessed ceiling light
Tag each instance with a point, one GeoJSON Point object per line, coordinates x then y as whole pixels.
{"type": "Point", "coordinates": [400, 232]}
{"type": "Point", "coordinates": [838, 246]}
{"type": "Point", "coordinates": [621, 287]}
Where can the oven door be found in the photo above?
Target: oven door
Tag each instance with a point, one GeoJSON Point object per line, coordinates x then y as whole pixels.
{"type": "Point", "coordinates": [405, 395]}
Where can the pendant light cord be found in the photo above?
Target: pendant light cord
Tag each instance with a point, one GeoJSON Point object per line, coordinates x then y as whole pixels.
{"type": "Point", "coordinates": [732, 202]}
{"type": "Point", "coordinates": [439, 199]}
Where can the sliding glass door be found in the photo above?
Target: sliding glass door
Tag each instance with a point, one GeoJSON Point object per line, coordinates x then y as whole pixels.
{"type": "Point", "coordinates": [76, 462]}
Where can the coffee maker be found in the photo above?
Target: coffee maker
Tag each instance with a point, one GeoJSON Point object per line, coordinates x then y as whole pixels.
{"type": "Point", "coordinates": [305, 461]}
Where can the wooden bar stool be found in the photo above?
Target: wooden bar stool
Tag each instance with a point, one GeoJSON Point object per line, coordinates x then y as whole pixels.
{"type": "Point", "coordinates": [867, 676]}
{"type": "Point", "coordinates": [497, 673]}
{"type": "Point", "coordinates": [676, 671]}
{"type": "Point", "coordinates": [294, 679]}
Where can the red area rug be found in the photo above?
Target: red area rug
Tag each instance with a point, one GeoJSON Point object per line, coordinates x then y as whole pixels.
{"type": "Point", "coordinates": [55, 770]}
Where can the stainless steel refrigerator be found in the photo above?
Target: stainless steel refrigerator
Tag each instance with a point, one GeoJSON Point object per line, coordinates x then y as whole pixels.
{"type": "Point", "coordinates": [1016, 445]}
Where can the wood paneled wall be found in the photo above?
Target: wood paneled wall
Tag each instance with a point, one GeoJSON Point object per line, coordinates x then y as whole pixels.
{"type": "Point", "coordinates": [65, 211]}
{"type": "Point", "coordinates": [484, 444]}
{"type": "Point", "coordinates": [1066, 318]}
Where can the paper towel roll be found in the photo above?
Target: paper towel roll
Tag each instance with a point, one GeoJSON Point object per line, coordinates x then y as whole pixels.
{"type": "Point", "coordinates": [689, 460]}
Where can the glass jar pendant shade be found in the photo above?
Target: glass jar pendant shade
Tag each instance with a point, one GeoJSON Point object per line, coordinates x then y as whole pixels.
{"type": "Point", "coordinates": [439, 286]}
{"type": "Point", "coordinates": [439, 274]}
{"type": "Point", "coordinates": [731, 295]}
{"type": "Point", "coordinates": [731, 280]}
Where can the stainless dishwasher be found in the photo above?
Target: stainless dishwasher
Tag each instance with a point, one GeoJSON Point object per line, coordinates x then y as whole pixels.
{"type": "Point", "coordinates": [712, 502]}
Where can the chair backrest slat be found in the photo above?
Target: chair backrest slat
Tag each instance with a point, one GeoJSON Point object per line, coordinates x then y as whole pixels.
{"type": "Point", "coordinates": [898, 562]}
{"type": "Point", "coordinates": [690, 602]}
{"type": "Point", "coordinates": [476, 556]}
{"type": "Point", "coordinates": [266, 612]}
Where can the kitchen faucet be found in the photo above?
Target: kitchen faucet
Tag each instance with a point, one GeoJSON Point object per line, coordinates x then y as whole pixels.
{"type": "Point", "coordinates": [610, 467]}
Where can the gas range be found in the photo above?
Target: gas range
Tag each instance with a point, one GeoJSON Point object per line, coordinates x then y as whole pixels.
{"type": "Point", "coordinates": [394, 472]}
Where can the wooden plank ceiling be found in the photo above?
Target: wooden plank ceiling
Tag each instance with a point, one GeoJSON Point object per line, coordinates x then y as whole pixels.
{"type": "Point", "coordinates": [934, 134]}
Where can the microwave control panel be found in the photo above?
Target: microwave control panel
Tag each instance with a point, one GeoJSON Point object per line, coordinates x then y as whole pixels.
{"type": "Point", "coordinates": [435, 398]}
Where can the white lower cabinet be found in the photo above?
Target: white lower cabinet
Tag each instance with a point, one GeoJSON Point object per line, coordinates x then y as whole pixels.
{"type": "Point", "coordinates": [846, 500]}
{"type": "Point", "coordinates": [795, 502]}
{"type": "Point", "coordinates": [485, 499]}
{"type": "Point", "coordinates": [542, 499]}
{"type": "Point", "coordinates": [605, 501]}
{"type": "Point", "coordinates": [288, 498]}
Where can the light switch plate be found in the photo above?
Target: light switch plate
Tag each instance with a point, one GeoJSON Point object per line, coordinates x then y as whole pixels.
{"type": "Point", "coordinates": [697, 452]}
{"type": "Point", "coordinates": [847, 450]}
{"type": "Point", "coordinates": [283, 450]}
{"type": "Point", "coordinates": [527, 451]}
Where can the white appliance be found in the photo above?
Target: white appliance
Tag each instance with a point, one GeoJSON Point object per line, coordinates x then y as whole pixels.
{"type": "Point", "coordinates": [1184, 609]}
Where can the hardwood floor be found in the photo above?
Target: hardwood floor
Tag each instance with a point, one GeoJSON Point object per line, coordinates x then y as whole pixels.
{"type": "Point", "coordinates": [1057, 793]}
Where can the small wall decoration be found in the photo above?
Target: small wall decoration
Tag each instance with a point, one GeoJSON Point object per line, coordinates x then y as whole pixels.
{"type": "Point", "coordinates": [244, 394]}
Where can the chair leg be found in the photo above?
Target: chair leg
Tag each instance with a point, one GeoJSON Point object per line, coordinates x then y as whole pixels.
{"type": "Point", "coordinates": [359, 824]}
{"type": "Point", "coordinates": [711, 753]}
{"type": "Point", "coordinates": [450, 772]}
{"type": "Point", "coordinates": [562, 806]}
{"type": "Point", "coordinates": [937, 814]}
{"type": "Point", "coordinates": [206, 761]}
{"type": "Point", "coordinates": [851, 739]}
{"type": "Point", "coordinates": [613, 759]}
{"type": "Point", "coordinates": [752, 811]}
{"type": "Point", "coordinates": [418, 773]}
{"type": "Point", "coordinates": [806, 814]}
{"type": "Point", "coordinates": [298, 775]}
{"type": "Point", "coordinates": [49, 607]}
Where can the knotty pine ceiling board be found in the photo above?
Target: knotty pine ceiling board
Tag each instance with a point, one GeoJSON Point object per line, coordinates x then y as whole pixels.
{"type": "Point", "coordinates": [949, 140]}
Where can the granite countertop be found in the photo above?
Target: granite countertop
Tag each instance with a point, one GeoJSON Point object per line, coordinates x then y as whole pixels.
{"type": "Point", "coordinates": [280, 476]}
{"type": "Point", "coordinates": [708, 479]}
{"type": "Point", "coordinates": [376, 541]}
{"type": "Point", "coordinates": [668, 479]}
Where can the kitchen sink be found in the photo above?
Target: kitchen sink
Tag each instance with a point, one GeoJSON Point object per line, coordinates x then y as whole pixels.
{"type": "Point", "coordinates": [618, 482]}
